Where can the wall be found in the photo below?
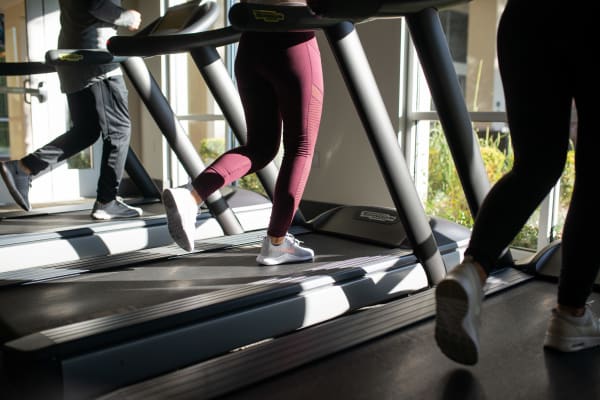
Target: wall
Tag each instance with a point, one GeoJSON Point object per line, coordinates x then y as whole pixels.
{"type": "Point", "coordinates": [484, 88]}
{"type": "Point", "coordinates": [345, 169]}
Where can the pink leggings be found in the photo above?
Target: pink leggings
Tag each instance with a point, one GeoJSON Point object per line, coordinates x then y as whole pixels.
{"type": "Point", "coordinates": [280, 81]}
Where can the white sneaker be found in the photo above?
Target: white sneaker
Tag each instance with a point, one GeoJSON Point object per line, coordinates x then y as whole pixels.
{"type": "Point", "coordinates": [287, 252]}
{"type": "Point", "coordinates": [568, 333]}
{"type": "Point", "coordinates": [458, 308]}
{"type": "Point", "coordinates": [115, 209]}
{"type": "Point", "coordinates": [182, 211]}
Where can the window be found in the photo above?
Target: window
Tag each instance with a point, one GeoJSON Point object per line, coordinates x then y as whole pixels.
{"type": "Point", "coordinates": [471, 33]}
{"type": "Point", "coordinates": [4, 137]}
{"type": "Point", "coordinates": [196, 107]}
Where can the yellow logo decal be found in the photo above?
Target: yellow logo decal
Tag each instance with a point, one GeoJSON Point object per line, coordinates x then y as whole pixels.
{"type": "Point", "coordinates": [71, 57]}
{"type": "Point", "coordinates": [268, 15]}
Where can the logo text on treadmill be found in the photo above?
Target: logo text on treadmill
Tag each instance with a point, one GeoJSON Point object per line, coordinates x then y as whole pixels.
{"type": "Point", "coordinates": [268, 15]}
{"type": "Point", "coordinates": [71, 57]}
{"type": "Point", "coordinates": [378, 216]}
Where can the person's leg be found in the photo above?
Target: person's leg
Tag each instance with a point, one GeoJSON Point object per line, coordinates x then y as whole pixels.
{"type": "Point", "coordinates": [298, 81]}
{"type": "Point", "coordinates": [579, 266]}
{"type": "Point", "coordinates": [296, 74]}
{"type": "Point", "coordinates": [573, 326]}
{"type": "Point", "coordinates": [273, 71]}
{"type": "Point", "coordinates": [113, 116]}
{"type": "Point", "coordinates": [263, 124]}
{"type": "Point", "coordinates": [538, 105]}
{"type": "Point", "coordinates": [84, 132]}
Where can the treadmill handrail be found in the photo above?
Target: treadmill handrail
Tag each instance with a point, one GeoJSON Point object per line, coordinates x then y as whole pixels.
{"type": "Point", "coordinates": [25, 68]}
{"type": "Point", "coordinates": [149, 46]}
{"type": "Point", "coordinates": [277, 18]}
{"type": "Point", "coordinates": [286, 18]}
{"type": "Point", "coordinates": [151, 41]}
{"type": "Point", "coordinates": [81, 57]}
{"type": "Point", "coordinates": [360, 9]}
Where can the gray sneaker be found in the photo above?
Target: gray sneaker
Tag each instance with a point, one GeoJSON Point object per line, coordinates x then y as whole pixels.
{"type": "Point", "coordinates": [17, 182]}
{"type": "Point", "coordinates": [288, 251]}
{"type": "Point", "coordinates": [458, 308]}
{"type": "Point", "coordinates": [115, 209]}
{"type": "Point", "coordinates": [568, 333]}
{"type": "Point", "coordinates": [182, 211]}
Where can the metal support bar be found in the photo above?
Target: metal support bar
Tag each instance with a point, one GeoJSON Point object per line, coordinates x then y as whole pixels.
{"type": "Point", "coordinates": [160, 109]}
{"type": "Point", "coordinates": [361, 84]}
{"type": "Point", "coordinates": [430, 42]}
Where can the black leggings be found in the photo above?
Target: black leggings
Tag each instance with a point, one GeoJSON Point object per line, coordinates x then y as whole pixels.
{"type": "Point", "coordinates": [546, 53]}
{"type": "Point", "coordinates": [98, 109]}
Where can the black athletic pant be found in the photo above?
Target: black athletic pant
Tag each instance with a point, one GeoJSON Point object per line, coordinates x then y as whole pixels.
{"type": "Point", "coordinates": [547, 57]}
{"type": "Point", "coordinates": [100, 109]}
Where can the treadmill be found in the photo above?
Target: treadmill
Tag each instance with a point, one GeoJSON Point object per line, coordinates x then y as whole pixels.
{"type": "Point", "coordinates": [49, 235]}
{"type": "Point", "coordinates": [18, 229]}
{"type": "Point", "coordinates": [398, 323]}
{"type": "Point", "coordinates": [123, 321]}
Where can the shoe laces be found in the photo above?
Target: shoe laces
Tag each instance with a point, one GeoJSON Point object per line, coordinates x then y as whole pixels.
{"type": "Point", "coordinates": [293, 239]}
{"type": "Point", "coordinates": [119, 200]}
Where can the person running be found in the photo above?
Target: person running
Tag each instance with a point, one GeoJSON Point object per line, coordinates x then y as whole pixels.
{"type": "Point", "coordinates": [544, 67]}
{"type": "Point", "coordinates": [97, 99]}
{"type": "Point", "coordinates": [280, 81]}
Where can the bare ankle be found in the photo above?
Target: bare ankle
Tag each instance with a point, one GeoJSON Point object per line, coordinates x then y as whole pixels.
{"type": "Point", "coordinates": [196, 197]}
{"type": "Point", "coordinates": [276, 241]}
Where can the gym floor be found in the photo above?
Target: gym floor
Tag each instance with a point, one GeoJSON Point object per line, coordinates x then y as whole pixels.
{"type": "Point", "coordinates": [408, 365]}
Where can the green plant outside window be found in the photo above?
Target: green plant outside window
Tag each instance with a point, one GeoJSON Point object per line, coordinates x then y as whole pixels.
{"type": "Point", "coordinates": [446, 198]}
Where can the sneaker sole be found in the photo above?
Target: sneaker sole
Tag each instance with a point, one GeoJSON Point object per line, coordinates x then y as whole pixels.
{"type": "Point", "coordinates": [10, 185]}
{"type": "Point", "coordinates": [285, 259]}
{"type": "Point", "coordinates": [569, 345]}
{"type": "Point", "coordinates": [174, 223]}
{"type": "Point", "coordinates": [100, 217]}
{"type": "Point", "coordinates": [107, 217]}
{"type": "Point", "coordinates": [452, 307]}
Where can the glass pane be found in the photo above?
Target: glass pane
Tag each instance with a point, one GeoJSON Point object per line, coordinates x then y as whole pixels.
{"type": "Point", "coordinates": [208, 137]}
{"type": "Point", "coordinates": [471, 33]}
{"type": "Point", "coordinates": [197, 109]}
{"type": "Point", "coordinates": [4, 133]}
{"type": "Point", "coordinates": [483, 86]}
{"type": "Point", "coordinates": [445, 197]}
{"type": "Point", "coordinates": [14, 111]}
{"type": "Point", "coordinates": [82, 160]}
{"type": "Point", "coordinates": [194, 104]}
